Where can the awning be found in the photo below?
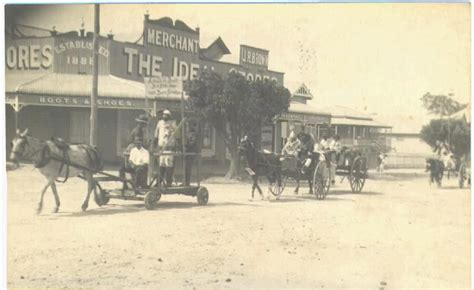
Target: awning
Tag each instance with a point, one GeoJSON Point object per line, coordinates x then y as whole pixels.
{"type": "Point", "coordinates": [81, 86]}
{"type": "Point", "coordinates": [305, 109]}
{"type": "Point", "coordinates": [357, 122]}
{"type": "Point", "coordinates": [14, 80]}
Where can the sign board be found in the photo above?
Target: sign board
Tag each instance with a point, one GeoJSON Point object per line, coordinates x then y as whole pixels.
{"type": "Point", "coordinates": [253, 56]}
{"type": "Point", "coordinates": [305, 118]}
{"type": "Point", "coordinates": [163, 87]}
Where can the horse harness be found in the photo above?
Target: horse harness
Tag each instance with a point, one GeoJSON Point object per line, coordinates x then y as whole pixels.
{"type": "Point", "coordinates": [46, 157]}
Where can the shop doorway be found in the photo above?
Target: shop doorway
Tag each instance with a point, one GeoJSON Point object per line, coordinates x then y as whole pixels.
{"type": "Point", "coordinates": [79, 127]}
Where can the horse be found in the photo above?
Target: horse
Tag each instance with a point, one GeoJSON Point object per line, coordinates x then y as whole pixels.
{"type": "Point", "coordinates": [436, 169]}
{"type": "Point", "coordinates": [57, 159]}
{"type": "Point", "coordinates": [261, 164]}
{"type": "Point", "coordinates": [305, 163]}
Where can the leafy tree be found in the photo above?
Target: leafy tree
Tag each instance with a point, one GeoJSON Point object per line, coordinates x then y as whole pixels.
{"type": "Point", "coordinates": [439, 130]}
{"type": "Point", "coordinates": [441, 105]}
{"type": "Point", "coordinates": [236, 106]}
{"type": "Point", "coordinates": [445, 129]}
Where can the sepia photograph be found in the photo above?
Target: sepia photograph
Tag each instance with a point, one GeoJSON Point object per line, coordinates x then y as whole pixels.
{"type": "Point", "coordinates": [238, 145]}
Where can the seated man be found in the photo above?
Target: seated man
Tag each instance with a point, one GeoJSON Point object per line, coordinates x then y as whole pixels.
{"type": "Point", "coordinates": [292, 146]}
{"type": "Point", "coordinates": [139, 159]}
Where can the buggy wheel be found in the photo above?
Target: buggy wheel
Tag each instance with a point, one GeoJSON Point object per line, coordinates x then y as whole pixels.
{"type": "Point", "coordinates": [151, 199]}
{"type": "Point", "coordinates": [462, 175]}
{"type": "Point", "coordinates": [202, 195]}
{"type": "Point", "coordinates": [278, 190]}
{"type": "Point", "coordinates": [321, 180]}
{"type": "Point", "coordinates": [104, 197]}
{"type": "Point", "coordinates": [358, 174]}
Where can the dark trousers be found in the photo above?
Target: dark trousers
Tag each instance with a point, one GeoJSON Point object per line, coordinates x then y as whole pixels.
{"type": "Point", "coordinates": [188, 168]}
{"type": "Point", "coordinates": [166, 174]}
{"type": "Point", "coordinates": [139, 175]}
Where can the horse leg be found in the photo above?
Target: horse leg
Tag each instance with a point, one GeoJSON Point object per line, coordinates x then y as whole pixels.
{"type": "Point", "coordinates": [56, 197]}
{"type": "Point", "coordinates": [40, 204]}
{"type": "Point", "coordinates": [310, 184]}
{"type": "Point", "coordinates": [90, 187]}
{"type": "Point", "coordinates": [297, 184]}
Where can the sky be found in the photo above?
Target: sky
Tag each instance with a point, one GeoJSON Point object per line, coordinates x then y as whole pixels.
{"type": "Point", "coordinates": [380, 58]}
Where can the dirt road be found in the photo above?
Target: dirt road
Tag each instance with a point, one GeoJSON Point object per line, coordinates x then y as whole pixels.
{"type": "Point", "coordinates": [397, 233]}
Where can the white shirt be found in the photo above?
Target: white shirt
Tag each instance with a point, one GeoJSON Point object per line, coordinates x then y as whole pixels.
{"type": "Point", "coordinates": [139, 156]}
{"type": "Point", "coordinates": [164, 132]}
{"type": "Point", "coordinates": [323, 145]}
{"type": "Point", "coordinates": [335, 145]}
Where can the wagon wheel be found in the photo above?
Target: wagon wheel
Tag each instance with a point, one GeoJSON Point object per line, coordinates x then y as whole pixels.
{"type": "Point", "coordinates": [357, 174]}
{"type": "Point", "coordinates": [101, 198]}
{"type": "Point", "coordinates": [151, 199]}
{"type": "Point", "coordinates": [462, 175]}
{"type": "Point", "coordinates": [202, 195]}
{"type": "Point", "coordinates": [278, 190]}
{"type": "Point", "coordinates": [104, 197]}
{"type": "Point", "coordinates": [321, 180]}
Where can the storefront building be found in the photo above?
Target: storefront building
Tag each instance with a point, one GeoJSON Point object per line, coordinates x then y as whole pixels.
{"type": "Point", "coordinates": [48, 82]}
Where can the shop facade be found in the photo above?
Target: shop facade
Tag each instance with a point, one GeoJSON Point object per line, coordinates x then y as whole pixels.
{"type": "Point", "coordinates": [48, 82]}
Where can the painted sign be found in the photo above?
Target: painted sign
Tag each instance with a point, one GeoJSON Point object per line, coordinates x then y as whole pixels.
{"type": "Point", "coordinates": [163, 87]}
{"type": "Point", "coordinates": [165, 34]}
{"type": "Point", "coordinates": [64, 101]}
{"type": "Point", "coordinates": [29, 54]}
{"type": "Point", "coordinates": [253, 56]}
{"type": "Point", "coordinates": [75, 54]}
{"type": "Point", "coordinates": [305, 118]}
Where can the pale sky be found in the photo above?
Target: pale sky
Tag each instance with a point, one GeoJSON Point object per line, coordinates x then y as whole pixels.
{"type": "Point", "coordinates": [380, 56]}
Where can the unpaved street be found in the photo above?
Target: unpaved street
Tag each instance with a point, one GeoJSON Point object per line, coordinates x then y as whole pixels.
{"type": "Point", "coordinates": [397, 233]}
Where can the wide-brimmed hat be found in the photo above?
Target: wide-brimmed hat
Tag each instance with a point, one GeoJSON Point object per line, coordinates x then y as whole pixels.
{"type": "Point", "coordinates": [142, 119]}
{"type": "Point", "coordinates": [166, 112]}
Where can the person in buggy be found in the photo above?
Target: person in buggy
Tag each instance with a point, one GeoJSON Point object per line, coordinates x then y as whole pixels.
{"type": "Point", "coordinates": [443, 153]}
{"type": "Point", "coordinates": [292, 146]}
{"type": "Point", "coordinates": [140, 132]}
{"type": "Point", "coordinates": [137, 166]}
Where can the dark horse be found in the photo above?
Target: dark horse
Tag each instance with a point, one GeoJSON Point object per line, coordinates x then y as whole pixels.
{"type": "Point", "coordinates": [305, 164]}
{"type": "Point", "coordinates": [261, 164]}
{"type": "Point", "coordinates": [436, 169]}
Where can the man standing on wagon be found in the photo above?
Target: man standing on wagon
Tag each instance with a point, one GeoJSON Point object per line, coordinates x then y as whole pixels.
{"type": "Point", "coordinates": [165, 138]}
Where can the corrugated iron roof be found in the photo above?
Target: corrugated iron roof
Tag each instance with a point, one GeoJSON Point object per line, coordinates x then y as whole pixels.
{"type": "Point", "coordinates": [296, 107]}
{"type": "Point", "coordinates": [14, 80]}
{"type": "Point", "coordinates": [81, 85]}
{"type": "Point", "coordinates": [341, 111]}
{"type": "Point", "coordinates": [357, 122]}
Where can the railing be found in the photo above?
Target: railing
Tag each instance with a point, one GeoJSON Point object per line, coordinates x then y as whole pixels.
{"type": "Point", "coordinates": [405, 160]}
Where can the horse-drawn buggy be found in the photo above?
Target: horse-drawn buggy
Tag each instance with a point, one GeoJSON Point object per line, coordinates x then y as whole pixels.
{"type": "Point", "coordinates": [318, 167]}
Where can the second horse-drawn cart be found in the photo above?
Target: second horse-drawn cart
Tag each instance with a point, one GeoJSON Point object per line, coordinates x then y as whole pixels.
{"type": "Point", "coordinates": [349, 164]}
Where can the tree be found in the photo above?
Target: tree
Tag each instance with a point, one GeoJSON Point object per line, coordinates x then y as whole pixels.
{"type": "Point", "coordinates": [441, 105]}
{"type": "Point", "coordinates": [236, 106]}
{"type": "Point", "coordinates": [439, 130]}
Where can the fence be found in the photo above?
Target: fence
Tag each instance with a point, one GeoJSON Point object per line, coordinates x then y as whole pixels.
{"type": "Point", "coordinates": [405, 160]}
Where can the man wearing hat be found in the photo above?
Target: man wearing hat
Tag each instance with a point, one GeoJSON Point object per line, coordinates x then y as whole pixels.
{"type": "Point", "coordinates": [141, 132]}
{"type": "Point", "coordinates": [165, 138]}
{"type": "Point", "coordinates": [139, 159]}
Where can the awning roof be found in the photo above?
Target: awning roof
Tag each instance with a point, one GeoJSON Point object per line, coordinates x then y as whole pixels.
{"type": "Point", "coordinates": [76, 85]}
{"type": "Point", "coordinates": [14, 80]}
{"type": "Point", "coordinates": [296, 107]}
{"type": "Point", "coordinates": [357, 122]}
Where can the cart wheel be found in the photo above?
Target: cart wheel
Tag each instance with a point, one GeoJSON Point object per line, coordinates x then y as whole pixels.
{"type": "Point", "coordinates": [151, 199]}
{"type": "Point", "coordinates": [104, 197]}
{"type": "Point", "coordinates": [462, 175]}
{"type": "Point", "coordinates": [278, 190]}
{"type": "Point", "coordinates": [202, 195]}
{"type": "Point", "coordinates": [358, 174]}
{"type": "Point", "coordinates": [321, 180]}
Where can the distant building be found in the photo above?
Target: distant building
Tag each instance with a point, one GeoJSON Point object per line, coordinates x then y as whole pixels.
{"type": "Point", "coordinates": [407, 150]}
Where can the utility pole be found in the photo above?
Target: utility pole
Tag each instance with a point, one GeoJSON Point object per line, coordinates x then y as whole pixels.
{"type": "Point", "coordinates": [95, 77]}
